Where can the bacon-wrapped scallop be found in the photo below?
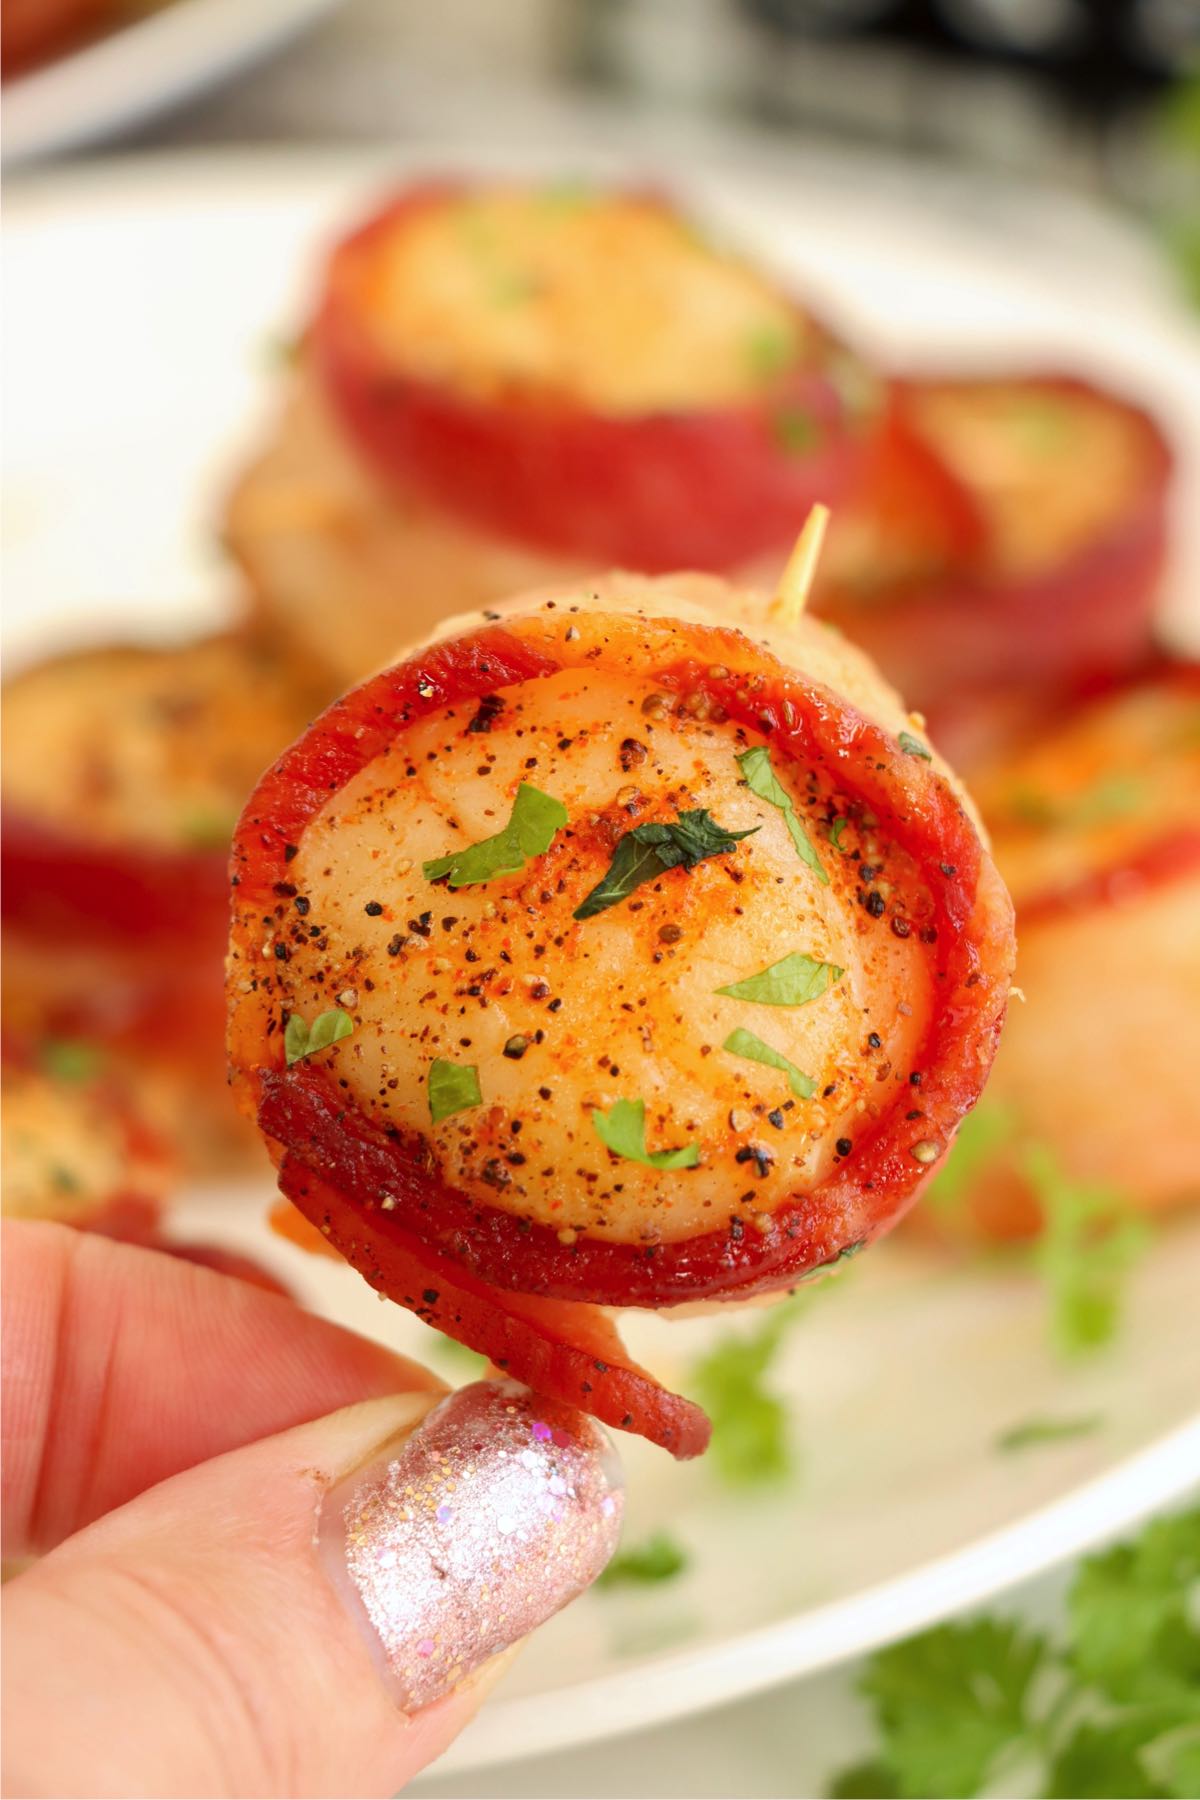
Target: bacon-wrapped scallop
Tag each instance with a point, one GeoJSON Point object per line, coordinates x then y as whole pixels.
{"type": "Point", "coordinates": [1096, 828]}
{"type": "Point", "coordinates": [604, 956]}
{"type": "Point", "coordinates": [1055, 583]}
{"type": "Point", "coordinates": [124, 771]}
{"type": "Point", "coordinates": [504, 386]}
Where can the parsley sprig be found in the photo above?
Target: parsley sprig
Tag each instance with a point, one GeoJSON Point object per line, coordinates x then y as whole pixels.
{"type": "Point", "coordinates": [1110, 1709]}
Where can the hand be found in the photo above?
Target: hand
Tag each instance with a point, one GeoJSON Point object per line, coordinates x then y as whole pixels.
{"type": "Point", "coordinates": [277, 1560]}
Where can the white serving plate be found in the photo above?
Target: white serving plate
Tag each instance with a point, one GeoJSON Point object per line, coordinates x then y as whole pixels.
{"type": "Point", "coordinates": [126, 411]}
{"type": "Point", "coordinates": [141, 69]}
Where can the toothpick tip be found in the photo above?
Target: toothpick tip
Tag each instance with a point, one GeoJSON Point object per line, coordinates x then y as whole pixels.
{"type": "Point", "coordinates": [791, 595]}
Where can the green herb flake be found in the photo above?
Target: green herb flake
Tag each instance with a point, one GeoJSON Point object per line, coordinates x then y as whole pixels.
{"type": "Point", "coordinates": [1108, 1707]}
{"type": "Point", "coordinates": [648, 851]}
{"type": "Point", "coordinates": [67, 1059]}
{"type": "Point", "coordinates": [301, 1040]}
{"type": "Point", "coordinates": [460, 1356]}
{"type": "Point", "coordinates": [1032, 1432]}
{"type": "Point", "coordinates": [770, 348]}
{"type": "Point", "coordinates": [622, 1129]}
{"type": "Point", "coordinates": [207, 828]}
{"type": "Point", "coordinates": [1109, 798]}
{"type": "Point", "coordinates": [762, 781]}
{"type": "Point", "coordinates": [1089, 1242]}
{"type": "Point", "coordinates": [750, 1446]}
{"type": "Point", "coordinates": [795, 431]}
{"type": "Point", "coordinates": [533, 823]}
{"type": "Point", "coordinates": [453, 1088]}
{"type": "Point", "coordinates": [793, 981]}
{"type": "Point", "coordinates": [912, 746]}
{"type": "Point", "coordinates": [658, 1558]}
{"type": "Point", "coordinates": [867, 1780]}
{"type": "Point", "coordinates": [836, 829]}
{"type": "Point", "coordinates": [744, 1044]}
{"type": "Point", "coordinates": [979, 1139]}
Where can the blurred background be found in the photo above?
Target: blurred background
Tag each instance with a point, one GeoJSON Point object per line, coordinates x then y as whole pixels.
{"type": "Point", "coordinates": [1091, 94]}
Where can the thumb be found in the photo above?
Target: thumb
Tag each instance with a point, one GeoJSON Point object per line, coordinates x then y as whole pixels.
{"type": "Point", "coordinates": [302, 1616]}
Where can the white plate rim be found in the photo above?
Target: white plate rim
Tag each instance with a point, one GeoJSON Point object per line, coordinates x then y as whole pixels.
{"type": "Point", "coordinates": [142, 69]}
{"type": "Point", "coordinates": [672, 1687]}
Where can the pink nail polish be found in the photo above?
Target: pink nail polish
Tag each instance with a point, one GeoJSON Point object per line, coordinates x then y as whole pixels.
{"type": "Point", "coordinates": [494, 1513]}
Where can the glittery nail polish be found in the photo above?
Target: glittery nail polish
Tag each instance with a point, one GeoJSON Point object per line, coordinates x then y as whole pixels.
{"type": "Point", "coordinates": [455, 1542]}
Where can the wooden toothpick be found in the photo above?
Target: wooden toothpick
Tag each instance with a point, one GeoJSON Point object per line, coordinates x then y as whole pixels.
{"type": "Point", "coordinates": [792, 593]}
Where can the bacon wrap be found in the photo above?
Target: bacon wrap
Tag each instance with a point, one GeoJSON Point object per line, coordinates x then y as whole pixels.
{"type": "Point", "coordinates": [948, 638]}
{"type": "Point", "coordinates": [707, 489]}
{"type": "Point", "coordinates": [123, 894]}
{"type": "Point", "coordinates": [338, 1161]}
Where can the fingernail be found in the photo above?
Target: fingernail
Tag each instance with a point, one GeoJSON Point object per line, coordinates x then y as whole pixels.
{"type": "Point", "coordinates": [459, 1539]}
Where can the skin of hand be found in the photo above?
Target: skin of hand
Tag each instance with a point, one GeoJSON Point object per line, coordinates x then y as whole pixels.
{"type": "Point", "coordinates": [273, 1558]}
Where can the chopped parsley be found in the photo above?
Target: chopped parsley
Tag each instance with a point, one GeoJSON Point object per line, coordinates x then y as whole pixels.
{"type": "Point", "coordinates": [794, 431]}
{"type": "Point", "coordinates": [533, 823]}
{"type": "Point", "coordinates": [1106, 1707]}
{"type": "Point", "coordinates": [207, 828]}
{"type": "Point", "coordinates": [769, 349]}
{"type": "Point", "coordinates": [1089, 1241]}
{"type": "Point", "coordinates": [1110, 797]}
{"type": "Point", "coordinates": [745, 1044]}
{"type": "Point", "coordinates": [793, 981]}
{"type": "Point", "coordinates": [1090, 1237]}
{"type": "Point", "coordinates": [648, 851]}
{"type": "Point", "coordinates": [750, 1421]}
{"type": "Point", "coordinates": [301, 1040]}
{"type": "Point", "coordinates": [471, 1362]}
{"type": "Point", "coordinates": [912, 746]}
{"type": "Point", "coordinates": [762, 780]}
{"type": "Point", "coordinates": [453, 1088]}
{"type": "Point", "coordinates": [657, 1558]}
{"type": "Point", "coordinates": [1031, 1432]}
{"type": "Point", "coordinates": [981, 1135]}
{"type": "Point", "coordinates": [68, 1059]}
{"type": "Point", "coordinates": [836, 829]}
{"type": "Point", "coordinates": [622, 1129]}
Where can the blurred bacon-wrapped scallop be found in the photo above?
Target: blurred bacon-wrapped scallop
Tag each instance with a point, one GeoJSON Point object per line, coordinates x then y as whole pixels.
{"type": "Point", "coordinates": [508, 385]}
{"type": "Point", "coordinates": [75, 1147]}
{"type": "Point", "coordinates": [604, 955]}
{"type": "Point", "coordinates": [1096, 828]}
{"type": "Point", "coordinates": [123, 773]}
{"type": "Point", "coordinates": [1055, 582]}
